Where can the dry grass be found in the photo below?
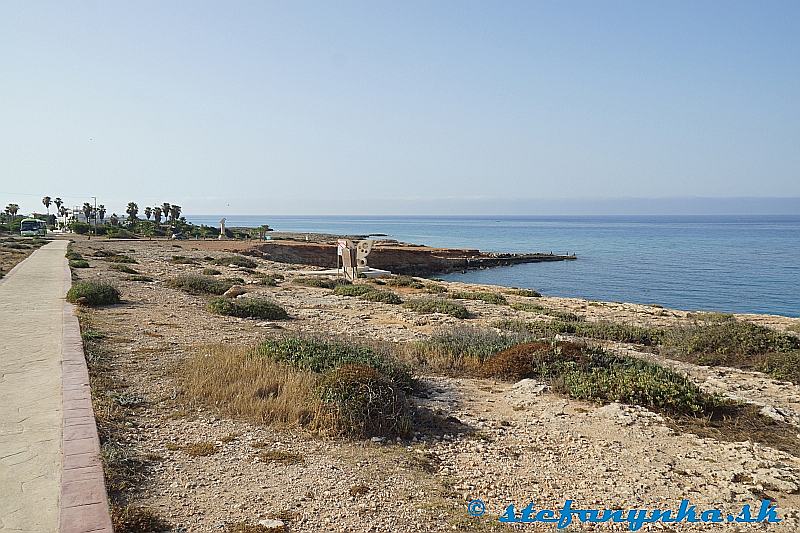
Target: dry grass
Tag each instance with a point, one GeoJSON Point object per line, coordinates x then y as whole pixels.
{"type": "Point", "coordinates": [280, 457]}
{"type": "Point", "coordinates": [234, 381]}
{"type": "Point", "coordinates": [201, 449]}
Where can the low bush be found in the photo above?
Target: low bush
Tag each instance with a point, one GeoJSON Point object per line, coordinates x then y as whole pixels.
{"type": "Point", "coordinates": [93, 293]}
{"type": "Point", "coordinates": [270, 280]}
{"type": "Point", "coordinates": [79, 263]}
{"type": "Point", "coordinates": [386, 297]}
{"type": "Point", "coordinates": [358, 401]}
{"type": "Point", "coordinates": [320, 282]}
{"type": "Point", "coordinates": [211, 272]}
{"type": "Point", "coordinates": [199, 285]}
{"type": "Point", "coordinates": [139, 277]}
{"type": "Point", "coordinates": [528, 293]}
{"type": "Point", "coordinates": [73, 256]}
{"type": "Point", "coordinates": [405, 281]}
{"type": "Point", "coordinates": [236, 260]}
{"type": "Point", "coordinates": [437, 305]}
{"type": "Point", "coordinates": [130, 519]}
{"type": "Point", "coordinates": [486, 296]}
{"type": "Point", "coordinates": [320, 355]}
{"type": "Point", "coordinates": [724, 342]}
{"type": "Point", "coordinates": [591, 374]}
{"type": "Point", "coordinates": [435, 288]}
{"type": "Point", "coordinates": [536, 308]}
{"type": "Point", "coordinates": [248, 308]}
{"type": "Point", "coordinates": [125, 269]}
{"type": "Point", "coordinates": [352, 290]}
{"type": "Point", "coordinates": [784, 366]}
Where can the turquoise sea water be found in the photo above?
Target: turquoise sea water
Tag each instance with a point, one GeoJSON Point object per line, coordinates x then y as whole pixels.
{"type": "Point", "coordinates": [723, 263]}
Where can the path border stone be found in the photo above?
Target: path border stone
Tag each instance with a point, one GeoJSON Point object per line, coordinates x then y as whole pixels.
{"type": "Point", "coordinates": [83, 502]}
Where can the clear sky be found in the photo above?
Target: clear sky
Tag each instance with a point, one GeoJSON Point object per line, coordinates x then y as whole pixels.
{"type": "Point", "coordinates": [368, 107]}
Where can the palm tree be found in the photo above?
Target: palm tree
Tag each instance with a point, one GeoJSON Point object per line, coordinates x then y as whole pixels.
{"type": "Point", "coordinates": [165, 209]}
{"type": "Point", "coordinates": [114, 219]}
{"type": "Point", "coordinates": [59, 202]}
{"type": "Point", "coordinates": [62, 212]}
{"type": "Point", "coordinates": [132, 211]}
{"type": "Point", "coordinates": [174, 213]}
{"type": "Point", "coordinates": [101, 210]}
{"type": "Point", "coordinates": [87, 210]}
{"type": "Point", "coordinates": [47, 201]}
{"type": "Point", "coordinates": [157, 215]}
{"type": "Point", "coordinates": [12, 210]}
{"type": "Point", "coordinates": [148, 211]}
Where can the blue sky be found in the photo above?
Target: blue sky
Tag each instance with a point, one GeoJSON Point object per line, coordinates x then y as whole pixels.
{"type": "Point", "coordinates": [371, 107]}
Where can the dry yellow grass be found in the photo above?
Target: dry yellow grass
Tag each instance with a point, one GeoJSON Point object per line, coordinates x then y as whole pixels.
{"type": "Point", "coordinates": [235, 381]}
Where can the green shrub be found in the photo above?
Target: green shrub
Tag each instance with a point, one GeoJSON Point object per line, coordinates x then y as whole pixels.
{"type": "Point", "coordinates": [404, 281]}
{"type": "Point", "coordinates": [211, 272]}
{"type": "Point", "coordinates": [592, 374]}
{"type": "Point", "coordinates": [386, 297]}
{"type": "Point", "coordinates": [270, 280]}
{"type": "Point", "coordinates": [199, 285]}
{"type": "Point", "coordinates": [437, 305]}
{"type": "Point", "coordinates": [236, 260]}
{"type": "Point", "coordinates": [248, 308]}
{"type": "Point", "coordinates": [320, 282]}
{"type": "Point", "coordinates": [79, 263]}
{"type": "Point", "coordinates": [93, 293]}
{"type": "Point", "coordinates": [320, 355]}
{"type": "Point", "coordinates": [435, 288]}
{"type": "Point", "coordinates": [488, 297]}
{"type": "Point", "coordinates": [139, 277]}
{"type": "Point", "coordinates": [81, 228]}
{"type": "Point", "coordinates": [714, 342]}
{"type": "Point", "coordinates": [125, 269]}
{"type": "Point", "coordinates": [120, 259]}
{"type": "Point", "coordinates": [784, 366]}
{"type": "Point", "coordinates": [352, 290]}
{"type": "Point", "coordinates": [73, 256]}
{"type": "Point", "coordinates": [358, 401]}
{"type": "Point", "coordinates": [528, 293]}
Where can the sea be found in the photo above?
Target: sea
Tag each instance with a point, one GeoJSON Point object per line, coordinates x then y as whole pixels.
{"type": "Point", "coordinates": [737, 264]}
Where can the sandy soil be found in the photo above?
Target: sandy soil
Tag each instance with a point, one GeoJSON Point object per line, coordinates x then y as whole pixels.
{"type": "Point", "coordinates": [506, 443]}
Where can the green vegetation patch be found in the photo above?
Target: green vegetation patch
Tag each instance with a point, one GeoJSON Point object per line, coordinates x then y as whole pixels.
{"type": "Point", "coordinates": [485, 296]}
{"type": "Point", "coordinates": [140, 277]}
{"type": "Point", "coordinates": [528, 293]}
{"type": "Point", "coordinates": [591, 374]}
{"type": "Point", "coordinates": [386, 297]}
{"type": "Point", "coordinates": [248, 308]}
{"type": "Point", "coordinates": [211, 272]}
{"type": "Point", "coordinates": [79, 263]}
{"type": "Point", "coordinates": [725, 342]}
{"type": "Point", "coordinates": [199, 285]}
{"type": "Point", "coordinates": [236, 260]}
{"type": "Point", "coordinates": [182, 260]}
{"type": "Point", "coordinates": [320, 282]}
{"type": "Point", "coordinates": [437, 305]}
{"type": "Point", "coordinates": [125, 269]}
{"type": "Point", "coordinates": [320, 355]}
{"type": "Point", "coordinates": [352, 290]}
{"type": "Point", "coordinates": [93, 293]}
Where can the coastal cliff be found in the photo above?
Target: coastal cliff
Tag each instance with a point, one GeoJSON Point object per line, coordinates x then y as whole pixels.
{"type": "Point", "coordinates": [399, 258]}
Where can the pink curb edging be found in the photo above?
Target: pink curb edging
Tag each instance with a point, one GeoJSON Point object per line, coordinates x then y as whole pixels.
{"type": "Point", "coordinates": [83, 502]}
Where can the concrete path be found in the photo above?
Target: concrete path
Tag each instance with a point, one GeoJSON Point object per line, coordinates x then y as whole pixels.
{"type": "Point", "coordinates": [31, 419]}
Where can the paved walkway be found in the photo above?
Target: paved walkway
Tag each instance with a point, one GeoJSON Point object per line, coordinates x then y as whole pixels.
{"type": "Point", "coordinates": [31, 333]}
